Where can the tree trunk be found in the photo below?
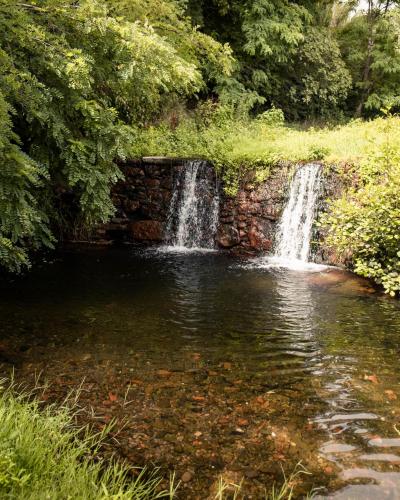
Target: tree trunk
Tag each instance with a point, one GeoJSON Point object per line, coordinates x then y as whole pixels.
{"type": "Point", "coordinates": [365, 80]}
{"type": "Point", "coordinates": [371, 17]}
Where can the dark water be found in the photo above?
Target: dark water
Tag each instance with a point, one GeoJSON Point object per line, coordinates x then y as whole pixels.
{"type": "Point", "coordinates": [217, 368]}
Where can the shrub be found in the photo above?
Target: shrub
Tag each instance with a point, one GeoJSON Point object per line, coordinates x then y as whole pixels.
{"type": "Point", "coordinates": [365, 223]}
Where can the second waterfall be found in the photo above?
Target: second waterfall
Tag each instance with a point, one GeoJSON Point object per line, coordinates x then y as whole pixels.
{"type": "Point", "coordinates": [193, 214]}
{"type": "Point", "coordinates": [295, 229]}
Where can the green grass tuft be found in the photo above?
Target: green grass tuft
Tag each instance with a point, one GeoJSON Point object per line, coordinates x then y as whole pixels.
{"type": "Point", "coordinates": [44, 456]}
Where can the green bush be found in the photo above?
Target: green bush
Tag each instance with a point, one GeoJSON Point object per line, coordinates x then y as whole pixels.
{"type": "Point", "coordinates": [76, 81]}
{"type": "Point", "coordinates": [273, 117]}
{"type": "Point", "coordinates": [364, 225]}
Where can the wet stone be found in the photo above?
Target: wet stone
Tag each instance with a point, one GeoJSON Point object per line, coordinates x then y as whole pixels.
{"type": "Point", "coordinates": [187, 476]}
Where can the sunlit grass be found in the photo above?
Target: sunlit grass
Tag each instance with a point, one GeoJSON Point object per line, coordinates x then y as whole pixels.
{"type": "Point", "coordinates": [226, 489]}
{"type": "Point", "coordinates": [44, 455]}
{"type": "Point", "coordinates": [254, 143]}
{"type": "Point", "coordinates": [231, 491]}
{"type": "Point", "coordinates": [347, 143]}
{"type": "Point", "coordinates": [286, 490]}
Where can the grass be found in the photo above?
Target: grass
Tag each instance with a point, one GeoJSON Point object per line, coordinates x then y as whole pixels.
{"type": "Point", "coordinates": [286, 491]}
{"type": "Point", "coordinates": [236, 146]}
{"type": "Point", "coordinates": [255, 143]}
{"type": "Point", "coordinates": [44, 456]}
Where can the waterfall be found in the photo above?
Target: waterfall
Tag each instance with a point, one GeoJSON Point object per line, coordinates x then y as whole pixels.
{"type": "Point", "coordinates": [295, 229]}
{"type": "Point", "coordinates": [193, 214]}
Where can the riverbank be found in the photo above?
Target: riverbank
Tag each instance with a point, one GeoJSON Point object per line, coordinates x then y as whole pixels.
{"type": "Point", "coordinates": [43, 454]}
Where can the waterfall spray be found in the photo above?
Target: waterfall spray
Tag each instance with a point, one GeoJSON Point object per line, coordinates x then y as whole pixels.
{"type": "Point", "coordinates": [294, 234]}
{"type": "Point", "coordinates": [295, 229]}
{"type": "Point", "coordinates": [194, 209]}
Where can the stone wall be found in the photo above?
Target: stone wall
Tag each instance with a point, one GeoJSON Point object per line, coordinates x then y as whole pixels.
{"type": "Point", "coordinates": [142, 201]}
{"type": "Point", "coordinates": [248, 221]}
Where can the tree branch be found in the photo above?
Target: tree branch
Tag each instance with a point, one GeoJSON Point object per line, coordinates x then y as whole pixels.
{"type": "Point", "coordinates": [31, 7]}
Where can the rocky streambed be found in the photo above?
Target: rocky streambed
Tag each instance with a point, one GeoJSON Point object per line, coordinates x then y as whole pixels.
{"type": "Point", "coordinates": [213, 367]}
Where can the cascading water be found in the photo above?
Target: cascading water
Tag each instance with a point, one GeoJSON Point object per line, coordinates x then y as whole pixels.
{"type": "Point", "coordinates": [294, 234]}
{"type": "Point", "coordinates": [194, 209]}
{"type": "Point", "coordinates": [295, 229]}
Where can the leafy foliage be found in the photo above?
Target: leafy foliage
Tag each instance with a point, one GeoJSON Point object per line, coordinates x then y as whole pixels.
{"type": "Point", "coordinates": [167, 18]}
{"type": "Point", "coordinates": [318, 81]}
{"type": "Point", "coordinates": [288, 52]}
{"type": "Point", "coordinates": [364, 225]}
{"type": "Point", "coordinates": [75, 83]}
{"type": "Point", "coordinates": [264, 35]}
{"type": "Point", "coordinates": [370, 47]}
{"type": "Point", "coordinates": [273, 28]}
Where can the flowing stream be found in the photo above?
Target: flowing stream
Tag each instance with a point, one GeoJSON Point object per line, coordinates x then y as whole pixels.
{"type": "Point", "coordinates": [193, 214]}
{"type": "Point", "coordinates": [212, 368]}
{"type": "Point", "coordinates": [294, 234]}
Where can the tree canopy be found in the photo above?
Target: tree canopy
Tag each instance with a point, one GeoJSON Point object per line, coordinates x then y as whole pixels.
{"type": "Point", "coordinates": [350, 55]}
{"type": "Point", "coordinates": [76, 80]}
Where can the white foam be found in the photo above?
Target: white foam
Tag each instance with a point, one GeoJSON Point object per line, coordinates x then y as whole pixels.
{"type": "Point", "coordinates": [169, 249]}
{"type": "Point", "coordinates": [194, 209]}
{"type": "Point", "coordinates": [290, 264]}
{"type": "Point", "coordinates": [295, 229]}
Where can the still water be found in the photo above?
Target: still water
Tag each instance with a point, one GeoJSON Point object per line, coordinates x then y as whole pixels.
{"type": "Point", "coordinates": [216, 366]}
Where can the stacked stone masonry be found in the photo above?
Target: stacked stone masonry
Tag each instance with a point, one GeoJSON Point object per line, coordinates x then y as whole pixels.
{"type": "Point", "coordinates": [247, 223]}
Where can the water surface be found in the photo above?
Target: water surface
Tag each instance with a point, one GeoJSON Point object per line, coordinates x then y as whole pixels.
{"type": "Point", "coordinates": [217, 367]}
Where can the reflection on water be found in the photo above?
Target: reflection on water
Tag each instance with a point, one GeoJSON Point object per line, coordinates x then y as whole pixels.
{"type": "Point", "coordinates": [304, 366]}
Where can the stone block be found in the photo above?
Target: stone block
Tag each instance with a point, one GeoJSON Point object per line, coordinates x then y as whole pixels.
{"type": "Point", "coordinates": [228, 236]}
{"type": "Point", "coordinates": [147, 230]}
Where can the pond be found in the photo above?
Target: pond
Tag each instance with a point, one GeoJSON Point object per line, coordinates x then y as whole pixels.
{"type": "Point", "coordinates": [216, 366]}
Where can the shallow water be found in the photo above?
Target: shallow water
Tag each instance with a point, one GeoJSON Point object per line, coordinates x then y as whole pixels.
{"type": "Point", "coordinates": [219, 366]}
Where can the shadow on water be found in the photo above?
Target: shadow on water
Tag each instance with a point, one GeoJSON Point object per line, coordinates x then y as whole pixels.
{"type": "Point", "coordinates": [218, 368]}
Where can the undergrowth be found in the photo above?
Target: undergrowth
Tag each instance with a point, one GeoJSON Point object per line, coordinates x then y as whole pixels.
{"type": "Point", "coordinates": [364, 224]}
